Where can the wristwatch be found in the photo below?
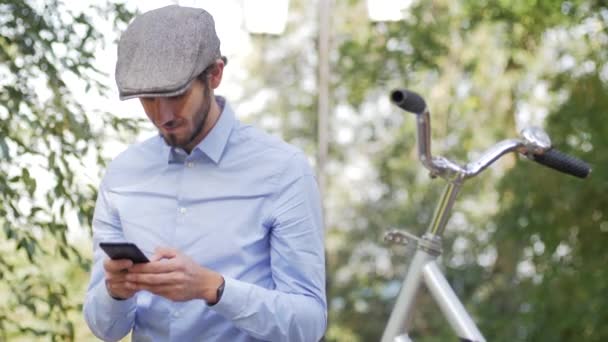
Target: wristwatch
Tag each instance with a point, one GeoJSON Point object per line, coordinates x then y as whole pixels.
{"type": "Point", "coordinates": [219, 292]}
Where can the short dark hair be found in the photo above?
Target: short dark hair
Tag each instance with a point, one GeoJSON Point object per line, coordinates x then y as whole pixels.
{"type": "Point", "coordinates": [203, 76]}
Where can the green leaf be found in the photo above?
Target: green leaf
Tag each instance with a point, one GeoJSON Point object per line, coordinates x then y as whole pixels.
{"type": "Point", "coordinates": [8, 231]}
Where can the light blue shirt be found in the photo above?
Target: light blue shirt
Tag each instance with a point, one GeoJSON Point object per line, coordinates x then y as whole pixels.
{"type": "Point", "coordinates": [244, 204]}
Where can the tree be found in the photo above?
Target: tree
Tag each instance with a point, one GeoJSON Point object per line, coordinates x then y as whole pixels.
{"type": "Point", "coordinates": [478, 64]}
{"type": "Point", "coordinates": [483, 68]}
{"type": "Point", "coordinates": [559, 224]}
{"type": "Point", "coordinates": [47, 142]}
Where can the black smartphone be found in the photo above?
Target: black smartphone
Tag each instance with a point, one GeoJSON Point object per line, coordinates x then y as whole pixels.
{"type": "Point", "coordinates": [124, 250]}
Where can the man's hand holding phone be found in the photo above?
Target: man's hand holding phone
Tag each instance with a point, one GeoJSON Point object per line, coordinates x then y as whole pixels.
{"type": "Point", "coordinates": [116, 282]}
{"type": "Point", "coordinates": [123, 256]}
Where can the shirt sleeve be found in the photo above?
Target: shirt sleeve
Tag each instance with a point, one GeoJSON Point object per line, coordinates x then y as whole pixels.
{"type": "Point", "coordinates": [109, 319]}
{"type": "Point", "coordinates": [296, 309]}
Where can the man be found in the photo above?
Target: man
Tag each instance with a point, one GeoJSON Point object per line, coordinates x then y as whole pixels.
{"type": "Point", "coordinates": [229, 216]}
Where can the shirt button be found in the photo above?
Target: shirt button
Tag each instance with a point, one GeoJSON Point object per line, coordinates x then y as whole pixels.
{"type": "Point", "coordinates": [175, 314]}
{"type": "Point", "coordinates": [190, 164]}
{"type": "Point", "coordinates": [182, 210]}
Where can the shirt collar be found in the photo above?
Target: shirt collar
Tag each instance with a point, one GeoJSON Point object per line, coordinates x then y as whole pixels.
{"type": "Point", "coordinates": [214, 143]}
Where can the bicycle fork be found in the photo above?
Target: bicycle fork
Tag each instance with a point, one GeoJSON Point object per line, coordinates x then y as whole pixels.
{"type": "Point", "coordinates": [424, 268]}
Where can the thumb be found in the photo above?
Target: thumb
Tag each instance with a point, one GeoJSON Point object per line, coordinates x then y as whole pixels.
{"type": "Point", "coordinates": [163, 253]}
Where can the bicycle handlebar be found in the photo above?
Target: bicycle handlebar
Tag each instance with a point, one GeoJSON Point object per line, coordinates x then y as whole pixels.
{"type": "Point", "coordinates": [408, 101]}
{"type": "Point", "coordinates": [563, 163]}
{"type": "Point", "coordinates": [534, 144]}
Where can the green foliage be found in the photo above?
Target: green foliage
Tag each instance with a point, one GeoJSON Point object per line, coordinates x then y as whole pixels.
{"type": "Point", "coordinates": [478, 63]}
{"type": "Point", "coordinates": [562, 225]}
{"type": "Point", "coordinates": [46, 138]}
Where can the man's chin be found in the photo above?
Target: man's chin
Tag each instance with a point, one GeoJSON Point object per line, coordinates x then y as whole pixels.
{"type": "Point", "coordinates": [175, 141]}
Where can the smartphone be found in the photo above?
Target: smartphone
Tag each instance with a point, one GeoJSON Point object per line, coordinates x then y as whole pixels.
{"type": "Point", "coordinates": [124, 250]}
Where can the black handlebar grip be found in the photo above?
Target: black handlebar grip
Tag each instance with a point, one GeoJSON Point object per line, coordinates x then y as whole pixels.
{"type": "Point", "coordinates": [564, 163]}
{"type": "Point", "coordinates": [408, 101]}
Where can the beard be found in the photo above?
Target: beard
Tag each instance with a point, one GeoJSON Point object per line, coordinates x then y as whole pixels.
{"type": "Point", "coordinates": [198, 120]}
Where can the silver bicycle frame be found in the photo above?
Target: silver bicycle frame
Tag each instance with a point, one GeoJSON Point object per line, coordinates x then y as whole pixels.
{"type": "Point", "coordinates": [424, 268]}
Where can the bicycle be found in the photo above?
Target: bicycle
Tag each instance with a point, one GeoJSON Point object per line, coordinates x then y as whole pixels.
{"type": "Point", "coordinates": [534, 143]}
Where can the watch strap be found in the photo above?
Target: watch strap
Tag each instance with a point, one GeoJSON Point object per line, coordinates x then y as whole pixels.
{"type": "Point", "coordinates": [219, 292]}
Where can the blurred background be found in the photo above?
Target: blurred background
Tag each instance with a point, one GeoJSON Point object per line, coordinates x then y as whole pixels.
{"type": "Point", "coordinates": [526, 248]}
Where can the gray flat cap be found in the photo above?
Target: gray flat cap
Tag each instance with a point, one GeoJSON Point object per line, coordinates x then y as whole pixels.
{"type": "Point", "coordinates": [163, 50]}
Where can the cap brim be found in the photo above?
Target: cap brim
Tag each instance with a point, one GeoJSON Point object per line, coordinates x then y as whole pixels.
{"type": "Point", "coordinates": [176, 92]}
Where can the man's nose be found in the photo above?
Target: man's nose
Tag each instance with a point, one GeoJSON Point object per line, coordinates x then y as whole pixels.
{"type": "Point", "coordinates": [165, 111]}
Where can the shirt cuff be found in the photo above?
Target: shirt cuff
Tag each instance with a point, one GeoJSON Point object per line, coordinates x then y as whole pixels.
{"type": "Point", "coordinates": [234, 300]}
{"type": "Point", "coordinates": [105, 303]}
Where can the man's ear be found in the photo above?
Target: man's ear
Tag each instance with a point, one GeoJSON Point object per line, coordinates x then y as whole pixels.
{"type": "Point", "coordinates": [215, 75]}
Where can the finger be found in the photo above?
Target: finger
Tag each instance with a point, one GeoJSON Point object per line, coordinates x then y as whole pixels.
{"type": "Point", "coordinates": [121, 289]}
{"type": "Point", "coordinates": [167, 291]}
{"type": "Point", "coordinates": [116, 277]}
{"type": "Point", "coordinates": [160, 266]}
{"type": "Point", "coordinates": [164, 253]}
{"type": "Point", "coordinates": [116, 266]}
{"type": "Point", "coordinates": [154, 279]}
